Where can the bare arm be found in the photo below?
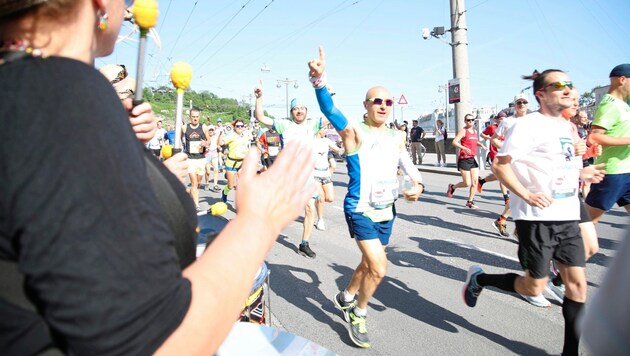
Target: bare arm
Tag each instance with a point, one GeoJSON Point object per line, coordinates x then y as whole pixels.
{"type": "Point", "coordinates": [505, 174]}
{"type": "Point", "coordinates": [598, 135]}
{"type": "Point", "coordinates": [259, 113]}
{"type": "Point", "coordinates": [222, 277]}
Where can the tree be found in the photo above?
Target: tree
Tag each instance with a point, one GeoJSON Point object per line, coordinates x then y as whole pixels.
{"type": "Point", "coordinates": [587, 99]}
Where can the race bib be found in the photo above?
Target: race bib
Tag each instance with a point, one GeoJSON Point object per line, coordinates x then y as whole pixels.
{"type": "Point", "coordinates": [195, 146]}
{"type": "Point", "coordinates": [565, 179]}
{"type": "Point", "coordinates": [383, 193]}
{"type": "Point", "coordinates": [273, 151]}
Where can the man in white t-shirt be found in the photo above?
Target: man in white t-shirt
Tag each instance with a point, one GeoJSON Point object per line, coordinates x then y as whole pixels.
{"type": "Point", "coordinates": [538, 165]}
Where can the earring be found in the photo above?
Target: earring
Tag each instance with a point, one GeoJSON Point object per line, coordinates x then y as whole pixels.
{"type": "Point", "coordinates": [102, 20]}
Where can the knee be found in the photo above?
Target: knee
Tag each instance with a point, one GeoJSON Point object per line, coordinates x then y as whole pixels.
{"type": "Point", "coordinates": [575, 290]}
{"type": "Point", "coordinates": [378, 271]}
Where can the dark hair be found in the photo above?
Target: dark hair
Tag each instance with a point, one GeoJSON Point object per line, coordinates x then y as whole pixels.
{"type": "Point", "coordinates": [194, 108]}
{"type": "Point", "coordinates": [539, 79]}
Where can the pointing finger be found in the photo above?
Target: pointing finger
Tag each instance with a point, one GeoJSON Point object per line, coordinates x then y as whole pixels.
{"type": "Point", "coordinates": [322, 56]}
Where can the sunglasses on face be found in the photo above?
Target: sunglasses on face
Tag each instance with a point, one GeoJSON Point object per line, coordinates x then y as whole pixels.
{"type": "Point", "coordinates": [560, 85]}
{"type": "Point", "coordinates": [121, 75]}
{"type": "Point", "coordinates": [239, 126]}
{"type": "Point", "coordinates": [380, 101]}
{"type": "Point", "coordinates": [521, 102]}
{"type": "Point", "coordinates": [469, 120]}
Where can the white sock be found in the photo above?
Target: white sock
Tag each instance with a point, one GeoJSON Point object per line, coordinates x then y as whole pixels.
{"type": "Point", "coordinates": [360, 312]}
{"type": "Point", "coordinates": [347, 297]}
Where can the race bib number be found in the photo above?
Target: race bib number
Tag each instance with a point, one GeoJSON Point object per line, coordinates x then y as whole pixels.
{"type": "Point", "coordinates": [274, 150]}
{"type": "Point", "coordinates": [383, 193]}
{"type": "Point", "coordinates": [565, 180]}
{"type": "Point", "coordinates": [195, 146]}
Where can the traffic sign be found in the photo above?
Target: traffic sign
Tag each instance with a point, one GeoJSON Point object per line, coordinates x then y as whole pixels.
{"type": "Point", "coordinates": [402, 100]}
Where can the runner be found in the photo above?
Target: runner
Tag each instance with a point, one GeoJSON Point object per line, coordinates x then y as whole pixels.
{"type": "Point", "coordinates": [212, 159]}
{"type": "Point", "coordinates": [538, 166]}
{"type": "Point", "coordinates": [322, 175]}
{"type": "Point", "coordinates": [467, 142]}
{"type": "Point", "coordinates": [373, 155]}
{"type": "Point", "coordinates": [195, 135]}
{"type": "Point", "coordinates": [297, 128]}
{"type": "Point", "coordinates": [238, 142]}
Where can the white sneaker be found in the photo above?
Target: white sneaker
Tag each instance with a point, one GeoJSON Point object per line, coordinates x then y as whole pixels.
{"type": "Point", "coordinates": [437, 164]}
{"type": "Point", "coordinates": [557, 292]}
{"type": "Point", "coordinates": [443, 164]}
{"type": "Point", "coordinates": [537, 300]}
{"type": "Point", "coordinates": [320, 225]}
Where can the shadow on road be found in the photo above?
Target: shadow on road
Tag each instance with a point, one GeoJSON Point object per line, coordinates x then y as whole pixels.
{"type": "Point", "coordinates": [307, 295]}
{"type": "Point", "coordinates": [397, 295]}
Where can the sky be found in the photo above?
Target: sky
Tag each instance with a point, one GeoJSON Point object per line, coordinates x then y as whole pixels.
{"type": "Point", "coordinates": [379, 42]}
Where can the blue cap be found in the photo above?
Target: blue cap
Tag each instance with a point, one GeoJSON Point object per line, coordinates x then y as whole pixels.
{"type": "Point", "coordinates": [622, 70]}
{"type": "Point", "coordinates": [295, 102]}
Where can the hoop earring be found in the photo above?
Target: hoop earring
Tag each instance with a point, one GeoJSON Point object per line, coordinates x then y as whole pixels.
{"type": "Point", "coordinates": [102, 20]}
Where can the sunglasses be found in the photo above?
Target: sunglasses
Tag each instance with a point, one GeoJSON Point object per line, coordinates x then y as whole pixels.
{"type": "Point", "coordinates": [239, 126]}
{"type": "Point", "coordinates": [121, 75]}
{"type": "Point", "coordinates": [560, 85]}
{"type": "Point", "coordinates": [469, 120]}
{"type": "Point", "coordinates": [521, 102]}
{"type": "Point", "coordinates": [379, 101]}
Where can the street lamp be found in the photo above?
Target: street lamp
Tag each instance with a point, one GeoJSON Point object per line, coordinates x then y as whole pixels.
{"type": "Point", "coordinates": [444, 88]}
{"type": "Point", "coordinates": [286, 83]}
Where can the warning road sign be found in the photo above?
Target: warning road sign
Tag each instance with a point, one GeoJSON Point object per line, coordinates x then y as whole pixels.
{"type": "Point", "coordinates": [402, 100]}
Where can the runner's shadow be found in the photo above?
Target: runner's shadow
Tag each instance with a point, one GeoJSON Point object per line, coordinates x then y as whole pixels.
{"type": "Point", "coordinates": [284, 241]}
{"type": "Point", "coordinates": [301, 288]}
{"type": "Point", "coordinates": [397, 295]}
{"type": "Point", "coordinates": [453, 227]}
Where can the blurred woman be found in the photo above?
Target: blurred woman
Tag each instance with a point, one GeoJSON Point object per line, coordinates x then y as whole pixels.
{"type": "Point", "coordinates": [440, 137]}
{"type": "Point", "coordinates": [99, 272]}
{"type": "Point", "coordinates": [238, 142]}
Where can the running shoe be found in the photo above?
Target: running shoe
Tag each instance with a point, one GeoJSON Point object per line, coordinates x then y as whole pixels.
{"type": "Point", "coordinates": [344, 306]}
{"type": "Point", "coordinates": [557, 292]}
{"type": "Point", "coordinates": [437, 164]}
{"type": "Point", "coordinates": [470, 204]}
{"type": "Point", "coordinates": [444, 165]}
{"type": "Point", "coordinates": [537, 300]}
{"type": "Point", "coordinates": [471, 289]}
{"type": "Point", "coordinates": [320, 225]}
{"type": "Point", "coordinates": [450, 190]}
{"type": "Point", "coordinates": [215, 188]}
{"type": "Point", "coordinates": [306, 251]}
{"type": "Point", "coordinates": [501, 228]}
{"type": "Point", "coordinates": [358, 330]}
{"type": "Point", "coordinates": [479, 185]}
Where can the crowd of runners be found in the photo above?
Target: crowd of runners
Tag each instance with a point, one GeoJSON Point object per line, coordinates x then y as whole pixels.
{"type": "Point", "coordinates": [558, 172]}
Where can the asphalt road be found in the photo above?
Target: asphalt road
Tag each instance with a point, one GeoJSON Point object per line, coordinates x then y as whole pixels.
{"type": "Point", "coordinates": [418, 308]}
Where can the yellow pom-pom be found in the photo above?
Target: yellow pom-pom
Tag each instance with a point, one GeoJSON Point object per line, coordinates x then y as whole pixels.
{"type": "Point", "coordinates": [218, 208]}
{"type": "Point", "coordinates": [167, 151]}
{"type": "Point", "coordinates": [181, 75]}
{"type": "Point", "coordinates": [146, 13]}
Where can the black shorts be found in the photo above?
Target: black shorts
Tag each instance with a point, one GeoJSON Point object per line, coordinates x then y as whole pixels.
{"type": "Point", "coordinates": [541, 241]}
{"type": "Point", "coordinates": [466, 164]}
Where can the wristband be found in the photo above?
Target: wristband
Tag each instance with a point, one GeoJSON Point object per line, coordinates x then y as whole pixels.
{"type": "Point", "coordinates": [318, 82]}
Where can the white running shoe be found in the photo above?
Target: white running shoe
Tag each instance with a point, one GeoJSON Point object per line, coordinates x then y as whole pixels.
{"type": "Point", "coordinates": [320, 225]}
{"type": "Point", "coordinates": [557, 292]}
{"type": "Point", "coordinates": [538, 300]}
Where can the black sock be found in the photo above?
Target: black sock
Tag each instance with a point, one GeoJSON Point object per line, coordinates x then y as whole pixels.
{"type": "Point", "coordinates": [501, 281]}
{"type": "Point", "coordinates": [557, 280]}
{"type": "Point", "coordinates": [570, 310]}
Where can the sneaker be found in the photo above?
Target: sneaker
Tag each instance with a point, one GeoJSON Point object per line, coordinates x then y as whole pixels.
{"type": "Point", "coordinates": [306, 251]}
{"type": "Point", "coordinates": [224, 197]}
{"type": "Point", "coordinates": [557, 292]}
{"type": "Point", "coordinates": [450, 190]}
{"type": "Point", "coordinates": [537, 300]}
{"type": "Point", "coordinates": [479, 185]}
{"type": "Point", "coordinates": [437, 164]}
{"type": "Point", "coordinates": [342, 305]}
{"type": "Point", "coordinates": [444, 164]}
{"type": "Point", "coordinates": [320, 225]}
{"type": "Point", "coordinates": [199, 209]}
{"type": "Point", "coordinates": [471, 289]}
{"type": "Point", "coordinates": [470, 204]}
{"type": "Point", "coordinates": [358, 330]}
{"type": "Point", "coordinates": [501, 228]}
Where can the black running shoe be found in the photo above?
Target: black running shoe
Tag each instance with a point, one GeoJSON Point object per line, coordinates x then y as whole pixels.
{"type": "Point", "coordinates": [358, 330]}
{"type": "Point", "coordinates": [306, 251]}
{"type": "Point", "coordinates": [342, 305]}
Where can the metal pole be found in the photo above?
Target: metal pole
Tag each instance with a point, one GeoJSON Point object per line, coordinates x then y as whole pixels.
{"type": "Point", "coordinates": [460, 61]}
{"type": "Point", "coordinates": [286, 85]}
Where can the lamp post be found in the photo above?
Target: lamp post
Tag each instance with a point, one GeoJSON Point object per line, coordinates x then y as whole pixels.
{"type": "Point", "coordinates": [459, 45]}
{"type": "Point", "coordinates": [286, 83]}
{"type": "Point", "coordinates": [445, 89]}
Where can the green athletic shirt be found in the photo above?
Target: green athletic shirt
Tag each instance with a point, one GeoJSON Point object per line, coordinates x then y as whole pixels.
{"type": "Point", "coordinates": [614, 115]}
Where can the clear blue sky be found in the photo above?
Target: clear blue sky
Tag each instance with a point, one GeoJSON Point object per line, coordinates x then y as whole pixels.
{"type": "Point", "coordinates": [379, 42]}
